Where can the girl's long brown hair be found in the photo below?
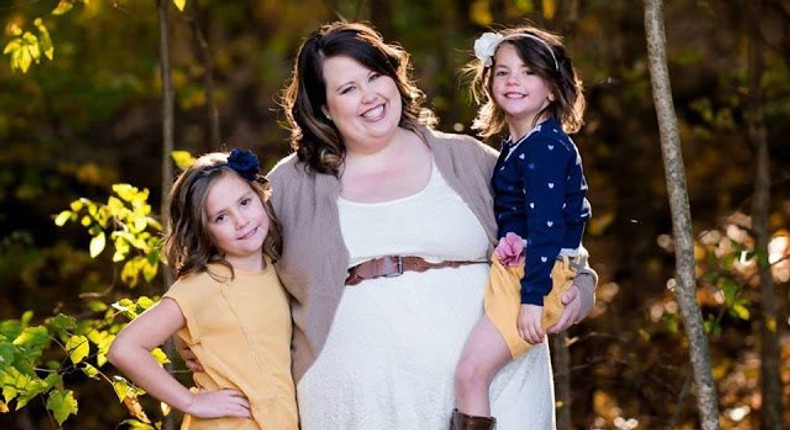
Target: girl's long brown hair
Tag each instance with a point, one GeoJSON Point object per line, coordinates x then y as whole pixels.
{"type": "Point", "coordinates": [188, 245]}
{"type": "Point", "coordinates": [562, 79]}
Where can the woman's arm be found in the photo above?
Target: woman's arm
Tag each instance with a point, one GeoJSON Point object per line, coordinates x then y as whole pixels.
{"type": "Point", "coordinates": [131, 353]}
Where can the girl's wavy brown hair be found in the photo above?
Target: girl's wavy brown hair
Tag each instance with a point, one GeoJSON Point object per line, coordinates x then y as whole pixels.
{"type": "Point", "coordinates": [562, 79]}
{"type": "Point", "coordinates": [188, 245]}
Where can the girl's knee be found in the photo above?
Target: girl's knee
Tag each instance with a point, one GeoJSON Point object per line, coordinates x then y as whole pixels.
{"type": "Point", "coordinates": [470, 375]}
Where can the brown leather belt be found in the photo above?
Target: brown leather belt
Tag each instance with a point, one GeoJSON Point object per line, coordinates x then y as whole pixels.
{"type": "Point", "coordinates": [394, 265]}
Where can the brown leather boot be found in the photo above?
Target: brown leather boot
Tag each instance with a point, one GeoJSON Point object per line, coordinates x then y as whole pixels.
{"type": "Point", "coordinates": [461, 421]}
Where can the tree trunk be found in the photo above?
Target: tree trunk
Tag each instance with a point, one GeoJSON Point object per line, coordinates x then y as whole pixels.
{"type": "Point", "coordinates": [167, 148]}
{"type": "Point", "coordinates": [561, 362]}
{"type": "Point", "coordinates": [685, 290]}
{"type": "Point", "coordinates": [203, 54]}
{"type": "Point", "coordinates": [771, 411]}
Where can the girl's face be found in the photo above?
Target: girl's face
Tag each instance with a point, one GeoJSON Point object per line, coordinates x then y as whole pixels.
{"type": "Point", "coordinates": [237, 221]}
{"type": "Point", "coordinates": [364, 105]}
{"type": "Point", "coordinates": [516, 89]}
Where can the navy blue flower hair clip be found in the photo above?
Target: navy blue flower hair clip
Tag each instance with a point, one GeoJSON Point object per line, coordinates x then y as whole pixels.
{"type": "Point", "coordinates": [245, 163]}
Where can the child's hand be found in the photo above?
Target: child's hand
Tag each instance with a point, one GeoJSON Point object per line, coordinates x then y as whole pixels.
{"type": "Point", "coordinates": [529, 323]}
{"type": "Point", "coordinates": [217, 404]}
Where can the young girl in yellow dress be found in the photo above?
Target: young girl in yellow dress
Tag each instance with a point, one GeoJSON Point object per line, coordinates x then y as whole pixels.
{"type": "Point", "coordinates": [530, 91]}
{"type": "Point", "coordinates": [227, 303]}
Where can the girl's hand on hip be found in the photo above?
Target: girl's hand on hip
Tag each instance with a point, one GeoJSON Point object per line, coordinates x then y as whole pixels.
{"type": "Point", "coordinates": [218, 404]}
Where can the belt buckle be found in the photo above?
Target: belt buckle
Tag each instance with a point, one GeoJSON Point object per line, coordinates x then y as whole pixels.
{"type": "Point", "coordinates": [399, 266]}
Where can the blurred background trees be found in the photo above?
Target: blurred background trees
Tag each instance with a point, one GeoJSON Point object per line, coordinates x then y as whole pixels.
{"type": "Point", "coordinates": [90, 117]}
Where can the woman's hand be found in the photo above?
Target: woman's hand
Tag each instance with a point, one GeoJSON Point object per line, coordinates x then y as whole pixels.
{"type": "Point", "coordinates": [529, 323]}
{"type": "Point", "coordinates": [190, 360]}
{"type": "Point", "coordinates": [218, 404]}
{"type": "Point", "coordinates": [572, 312]}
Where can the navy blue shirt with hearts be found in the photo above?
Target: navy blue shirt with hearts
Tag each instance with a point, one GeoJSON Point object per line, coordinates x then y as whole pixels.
{"type": "Point", "coordinates": [539, 194]}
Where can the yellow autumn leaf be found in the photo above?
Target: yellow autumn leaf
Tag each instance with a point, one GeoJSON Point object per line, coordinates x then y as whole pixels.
{"type": "Point", "coordinates": [62, 7]}
{"type": "Point", "coordinates": [480, 13]}
{"type": "Point", "coordinates": [599, 223]}
{"type": "Point", "coordinates": [78, 348]}
{"type": "Point", "coordinates": [21, 60]}
{"type": "Point", "coordinates": [180, 4]}
{"type": "Point", "coordinates": [97, 244]}
{"type": "Point", "coordinates": [549, 8]}
{"type": "Point", "coordinates": [770, 324]}
{"type": "Point", "coordinates": [62, 217]}
{"type": "Point", "coordinates": [183, 159]}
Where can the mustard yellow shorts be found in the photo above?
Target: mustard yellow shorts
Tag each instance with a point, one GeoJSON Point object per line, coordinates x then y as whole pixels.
{"type": "Point", "coordinates": [503, 299]}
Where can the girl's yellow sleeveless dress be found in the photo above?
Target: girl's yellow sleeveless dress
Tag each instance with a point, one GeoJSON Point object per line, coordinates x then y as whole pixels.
{"type": "Point", "coordinates": [240, 331]}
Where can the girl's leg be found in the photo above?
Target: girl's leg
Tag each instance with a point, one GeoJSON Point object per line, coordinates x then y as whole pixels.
{"type": "Point", "coordinates": [484, 354]}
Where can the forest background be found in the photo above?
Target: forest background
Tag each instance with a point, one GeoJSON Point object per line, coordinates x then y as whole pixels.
{"type": "Point", "coordinates": [91, 117]}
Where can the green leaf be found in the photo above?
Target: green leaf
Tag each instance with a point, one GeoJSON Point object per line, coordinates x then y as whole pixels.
{"type": "Point", "coordinates": [97, 306]}
{"type": "Point", "coordinates": [28, 387]}
{"type": "Point", "coordinates": [91, 371]}
{"type": "Point", "coordinates": [63, 322]}
{"type": "Point", "coordinates": [78, 348]}
{"type": "Point", "coordinates": [62, 404]}
{"type": "Point", "coordinates": [53, 380]}
{"type": "Point", "coordinates": [6, 354]}
{"type": "Point", "coordinates": [741, 311]}
{"type": "Point", "coordinates": [33, 337]}
{"type": "Point", "coordinates": [97, 244]}
{"type": "Point", "coordinates": [26, 317]}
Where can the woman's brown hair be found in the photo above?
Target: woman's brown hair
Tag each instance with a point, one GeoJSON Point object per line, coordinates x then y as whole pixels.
{"type": "Point", "coordinates": [314, 137]}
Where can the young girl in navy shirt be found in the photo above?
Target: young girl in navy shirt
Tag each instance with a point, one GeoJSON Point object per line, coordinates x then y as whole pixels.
{"type": "Point", "coordinates": [528, 88]}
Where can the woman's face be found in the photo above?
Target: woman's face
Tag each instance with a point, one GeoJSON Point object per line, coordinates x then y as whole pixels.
{"type": "Point", "coordinates": [364, 105]}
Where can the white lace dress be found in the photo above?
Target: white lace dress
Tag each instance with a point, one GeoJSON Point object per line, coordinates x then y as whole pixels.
{"type": "Point", "coordinates": [389, 359]}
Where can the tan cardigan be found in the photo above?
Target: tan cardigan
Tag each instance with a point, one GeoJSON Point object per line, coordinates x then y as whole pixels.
{"type": "Point", "coordinates": [315, 260]}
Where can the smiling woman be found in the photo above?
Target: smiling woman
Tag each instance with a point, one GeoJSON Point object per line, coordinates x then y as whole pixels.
{"type": "Point", "coordinates": [387, 225]}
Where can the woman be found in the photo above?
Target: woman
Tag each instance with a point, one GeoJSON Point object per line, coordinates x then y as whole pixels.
{"type": "Point", "coordinates": [387, 225]}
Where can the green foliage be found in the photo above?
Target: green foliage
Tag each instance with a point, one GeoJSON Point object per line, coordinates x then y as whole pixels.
{"type": "Point", "coordinates": [126, 219]}
{"type": "Point", "coordinates": [33, 357]}
{"type": "Point", "coordinates": [27, 47]}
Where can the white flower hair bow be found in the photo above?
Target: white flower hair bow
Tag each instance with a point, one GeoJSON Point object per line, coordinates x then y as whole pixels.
{"type": "Point", "coordinates": [485, 47]}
